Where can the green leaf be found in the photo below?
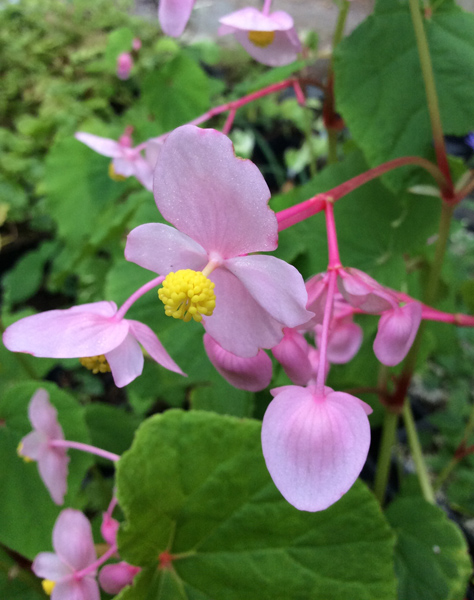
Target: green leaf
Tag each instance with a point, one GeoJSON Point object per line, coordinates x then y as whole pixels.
{"type": "Point", "coordinates": [195, 484]}
{"type": "Point", "coordinates": [431, 555]}
{"type": "Point", "coordinates": [17, 583]}
{"type": "Point", "coordinates": [379, 85]}
{"type": "Point", "coordinates": [222, 398]}
{"type": "Point", "coordinates": [119, 41]}
{"type": "Point", "coordinates": [111, 428]}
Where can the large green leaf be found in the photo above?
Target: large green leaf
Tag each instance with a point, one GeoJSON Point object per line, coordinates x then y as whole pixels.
{"type": "Point", "coordinates": [194, 484]}
{"type": "Point", "coordinates": [379, 85]}
{"type": "Point", "coordinates": [431, 558]}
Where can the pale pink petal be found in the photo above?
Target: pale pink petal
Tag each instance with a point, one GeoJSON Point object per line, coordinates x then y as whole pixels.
{"type": "Point", "coordinates": [219, 200]}
{"type": "Point", "coordinates": [153, 346]}
{"type": "Point", "coordinates": [72, 539]}
{"type": "Point", "coordinates": [124, 65]}
{"type": "Point", "coordinates": [163, 249]}
{"type": "Point", "coordinates": [173, 15]}
{"type": "Point", "coordinates": [124, 166]}
{"type": "Point", "coordinates": [43, 415]}
{"type": "Point", "coordinates": [152, 150]}
{"type": "Point", "coordinates": [277, 286]}
{"type": "Point", "coordinates": [251, 374]}
{"type": "Point", "coordinates": [251, 19]}
{"type": "Point", "coordinates": [396, 333]}
{"type": "Point", "coordinates": [82, 589]}
{"type": "Point", "coordinates": [104, 146]}
{"type": "Point", "coordinates": [314, 357]}
{"type": "Point", "coordinates": [144, 173]}
{"type": "Point", "coordinates": [361, 291]}
{"type": "Point", "coordinates": [345, 339]}
{"type": "Point", "coordinates": [125, 361]}
{"type": "Point", "coordinates": [32, 445]}
{"type": "Point", "coordinates": [70, 333]}
{"type": "Point", "coordinates": [113, 578]}
{"type": "Point", "coordinates": [238, 323]}
{"type": "Point", "coordinates": [225, 30]}
{"type": "Point", "coordinates": [314, 447]}
{"type": "Point", "coordinates": [53, 470]}
{"type": "Point", "coordinates": [49, 566]}
{"type": "Point", "coordinates": [282, 51]}
{"type": "Point", "coordinates": [292, 354]}
{"type": "Point", "coordinates": [317, 293]}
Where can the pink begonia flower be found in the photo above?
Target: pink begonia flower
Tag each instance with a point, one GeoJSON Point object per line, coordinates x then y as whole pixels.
{"type": "Point", "coordinates": [269, 38]}
{"type": "Point", "coordinates": [52, 462]}
{"type": "Point", "coordinates": [73, 551]}
{"type": "Point", "coordinates": [90, 330]}
{"type": "Point", "coordinates": [127, 161]}
{"type": "Point", "coordinates": [315, 446]}
{"type": "Point", "coordinates": [363, 292]}
{"type": "Point", "coordinates": [174, 15]}
{"type": "Point", "coordinates": [109, 528]}
{"type": "Point", "coordinates": [221, 214]}
{"type": "Point", "coordinates": [136, 44]}
{"type": "Point", "coordinates": [396, 333]}
{"type": "Point", "coordinates": [124, 65]}
{"type": "Point", "coordinates": [113, 578]}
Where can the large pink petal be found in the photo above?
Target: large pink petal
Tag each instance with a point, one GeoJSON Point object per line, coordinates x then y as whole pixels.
{"type": "Point", "coordinates": [104, 146]}
{"type": "Point", "coordinates": [53, 470]}
{"type": "Point", "coordinates": [82, 589]}
{"type": "Point", "coordinates": [163, 249]}
{"type": "Point", "coordinates": [49, 566]}
{"type": "Point", "coordinates": [72, 539]}
{"type": "Point", "coordinates": [251, 19]}
{"type": "Point", "coordinates": [70, 333]}
{"type": "Point", "coordinates": [43, 416]}
{"type": "Point", "coordinates": [277, 286]}
{"type": "Point", "coordinates": [173, 15]}
{"type": "Point", "coordinates": [219, 200]}
{"type": "Point", "coordinates": [251, 374]}
{"type": "Point", "coordinates": [126, 361]}
{"type": "Point", "coordinates": [314, 447]}
{"type": "Point", "coordinates": [292, 354]}
{"type": "Point", "coordinates": [238, 323]}
{"type": "Point", "coordinates": [396, 333]}
{"type": "Point", "coordinates": [282, 51]}
{"type": "Point", "coordinates": [153, 346]}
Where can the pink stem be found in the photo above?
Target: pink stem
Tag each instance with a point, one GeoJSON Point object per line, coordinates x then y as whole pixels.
{"type": "Point", "coordinates": [266, 7]}
{"type": "Point", "coordinates": [112, 505]}
{"type": "Point", "coordinates": [333, 249]}
{"type": "Point", "coordinates": [85, 448]}
{"type": "Point", "coordinates": [294, 214]}
{"type": "Point", "coordinates": [323, 346]}
{"type": "Point", "coordinates": [96, 564]}
{"type": "Point", "coordinates": [138, 294]}
{"type": "Point", "coordinates": [299, 93]}
{"type": "Point", "coordinates": [229, 121]}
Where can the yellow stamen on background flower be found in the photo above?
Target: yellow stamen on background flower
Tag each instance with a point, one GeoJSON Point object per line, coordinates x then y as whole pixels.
{"type": "Point", "coordinates": [262, 39]}
{"type": "Point", "coordinates": [187, 295]}
{"type": "Point", "coordinates": [96, 364]}
{"type": "Point", "coordinates": [114, 175]}
{"type": "Point", "coordinates": [48, 586]}
{"type": "Point", "coordinates": [27, 459]}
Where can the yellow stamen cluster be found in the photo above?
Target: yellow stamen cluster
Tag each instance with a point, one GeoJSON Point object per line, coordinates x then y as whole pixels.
{"type": "Point", "coordinates": [262, 39]}
{"type": "Point", "coordinates": [187, 295]}
{"type": "Point", "coordinates": [96, 364]}
{"type": "Point", "coordinates": [27, 459]}
{"type": "Point", "coordinates": [48, 586]}
{"type": "Point", "coordinates": [114, 175]}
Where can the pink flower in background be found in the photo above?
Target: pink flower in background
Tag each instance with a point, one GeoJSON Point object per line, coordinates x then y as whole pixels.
{"type": "Point", "coordinates": [52, 462]}
{"type": "Point", "coordinates": [174, 15]}
{"type": "Point", "coordinates": [136, 44]}
{"type": "Point", "coordinates": [91, 332]}
{"type": "Point", "coordinates": [113, 578]}
{"type": "Point", "coordinates": [269, 38]}
{"type": "Point", "coordinates": [73, 552]}
{"type": "Point", "coordinates": [220, 210]}
{"type": "Point", "coordinates": [396, 333]}
{"type": "Point", "coordinates": [127, 161]}
{"type": "Point", "coordinates": [315, 445]}
{"type": "Point", "coordinates": [124, 65]}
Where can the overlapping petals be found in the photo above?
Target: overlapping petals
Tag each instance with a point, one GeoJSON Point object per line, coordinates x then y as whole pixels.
{"type": "Point", "coordinates": [89, 330]}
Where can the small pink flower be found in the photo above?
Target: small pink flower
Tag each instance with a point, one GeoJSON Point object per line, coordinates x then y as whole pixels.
{"type": "Point", "coordinates": [136, 44]}
{"type": "Point", "coordinates": [269, 38]}
{"type": "Point", "coordinates": [396, 333]}
{"type": "Point", "coordinates": [174, 15]}
{"type": "Point", "coordinates": [315, 445]}
{"type": "Point", "coordinates": [113, 578]}
{"type": "Point", "coordinates": [127, 161]}
{"type": "Point", "coordinates": [74, 552]}
{"type": "Point", "coordinates": [52, 462]}
{"type": "Point", "coordinates": [124, 65]}
{"type": "Point", "coordinates": [109, 528]}
{"type": "Point", "coordinates": [90, 330]}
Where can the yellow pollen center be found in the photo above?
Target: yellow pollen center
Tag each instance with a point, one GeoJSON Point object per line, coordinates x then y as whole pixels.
{"type": "Point", "coordinates": [262, 39]}
{"type": "Point", "coordinates": [114, 175]}
{"type": "Point", "coordinates": [187, 295]}
{"type": "Point", "coordinates": [96, 364]}
{"type": "Point", "coordinates": [48, 586]}
{"type": "Point", "coordinates": [27, 459]}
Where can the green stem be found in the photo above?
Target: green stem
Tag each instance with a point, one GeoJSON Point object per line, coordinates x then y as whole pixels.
{"type": "Point", "coordinates": [441, 245]}
{"type": "Point", "coordinates": [389, 430]}
{"type": "Point", "coordinates": [417, 454]}
{"type": "Point", "coordinates": [339, 30]}
{"type": "Point", "coordinates": [332, 146]}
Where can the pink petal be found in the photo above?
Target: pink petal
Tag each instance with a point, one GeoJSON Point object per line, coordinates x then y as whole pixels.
{"type": "Point", "coordinates": [251, 19]}
{"type": "Point", "coordinates": [53, 470]}
{"type": "Point", "coordinates": [277, 286]}
{"type": "Point", "coordinates": [32, 445]}
{"type": "Point", "coordinates": [72, 333]}
{"type": "Point", "coordinates": [153, 346]}
{"type": "Point", "coordinates": [396, 333]}
{"type": "Point", "coordinates": [282, 51]}
{"type": "Point", "coordinates": [292, 354]}
{"type": "Point", "coordinates": [173, 15]}
{"type": "Point", "coordinates": [314, 447]}
{"type": "Point", "coordinates": [49, 566]}
{"type": "Point", "coordinates": [144, 173]}
{"type": "Point", "coordinates": [361, 291]}
{"type": "Point", "coordinates": [163, 249]}
{"type": "Point", "coordinates": [104, 146]}
{"type": "Point", "coordinates": [125, 361]}
{"type": "Point", "coordinates": [113, 578]}
{"type": "Point", "coordinates": [43, 416]}
{"type": "Point", "coordinates": [82, 589]}
{"type": "Point", "coordinates": [152, 150]}
{"type": "Point", "coordinates": [317, 294]}
{"type": "Point", "coordinates": [124, 166]}
{"type": "Point", "coordinates": [251, 374]}
{"type": "Point", "coordinates": [124, 65]}
{"type": "Point", "coordinates": [222, 202]}
{"type": "Point", "coordinates": [345, 339]}
{"type": "Point", "coordinates": [72, 539]}
{"type": "Point", "coordinates": [238, 323]}
{"type": "Point", "coordinates": [109, 528]}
